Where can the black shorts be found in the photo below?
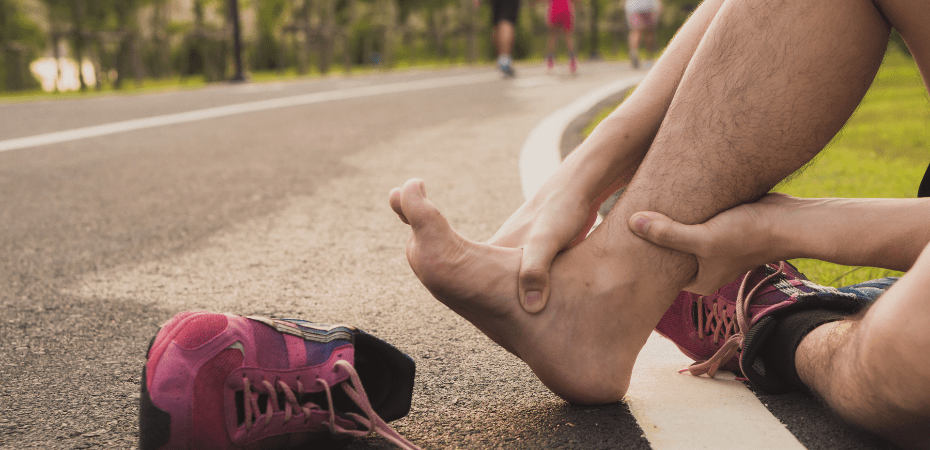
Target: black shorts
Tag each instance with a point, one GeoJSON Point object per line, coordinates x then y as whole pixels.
{"type": "Point", "coordinates": [504, 10]}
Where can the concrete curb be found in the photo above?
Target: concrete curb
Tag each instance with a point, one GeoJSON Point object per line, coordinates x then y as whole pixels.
{"type": "Point", "coordinates": [542, 151]}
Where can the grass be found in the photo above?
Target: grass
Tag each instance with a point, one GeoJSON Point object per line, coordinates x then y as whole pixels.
{"type": "Point", "coordinates": [880, 153]}
{"type": "Point", "coordinates": [173, 83]}
{"type": "Point", "coordinates": [129, 88]}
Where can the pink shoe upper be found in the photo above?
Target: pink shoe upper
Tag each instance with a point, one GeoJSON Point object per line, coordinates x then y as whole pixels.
{"type": "Point", "coordinates": [200, 363]}
{"type": "Point", "coordinates": [701, 325]}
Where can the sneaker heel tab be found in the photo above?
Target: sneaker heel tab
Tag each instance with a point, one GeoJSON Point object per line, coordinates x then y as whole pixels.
{"type": "Point", "coordinates": [761, 375]}
{"type": "Point", "coordinates": [387, 375]}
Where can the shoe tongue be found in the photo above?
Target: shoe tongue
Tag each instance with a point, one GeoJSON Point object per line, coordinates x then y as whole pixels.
{"type": "Point", "coordinates": [387, 375]}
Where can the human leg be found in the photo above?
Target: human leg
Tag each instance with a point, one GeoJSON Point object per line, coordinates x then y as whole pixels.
{"type": "Point", "coordinates": [448, 264]}
{"type": "Point", "coordinates": [650, 38]}
{"type": "Point", "coordinates": [570, 44]}
{"type": "Point", "coordinates": [504, 37]}
{"type": "Point", "coordinates": [504, 15]}
{"type": "Point", "coordinates": [550, 57]}
{"type": "Point", "coordinates": [633, 39]}
{"type": "Point", "coordinates": [746, 114]}
{"type": "Point", "coordinates": [872, 369]}
{"type": "Point", "coordinates": [562, 211]}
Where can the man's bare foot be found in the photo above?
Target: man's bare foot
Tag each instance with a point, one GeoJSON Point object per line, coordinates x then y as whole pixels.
{"type": "Point", "coordinates": [583, 345]}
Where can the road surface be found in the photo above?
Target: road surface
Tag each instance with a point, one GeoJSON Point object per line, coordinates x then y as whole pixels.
{"type": "Point", "coordinates": [271, 199]}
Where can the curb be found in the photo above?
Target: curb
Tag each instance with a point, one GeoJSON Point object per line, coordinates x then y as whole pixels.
{"type": "Point", "coordinates": [542, 151]}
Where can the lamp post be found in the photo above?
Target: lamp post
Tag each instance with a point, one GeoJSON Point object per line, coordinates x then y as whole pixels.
{"type": "Point", "coordinates": [237, 40]}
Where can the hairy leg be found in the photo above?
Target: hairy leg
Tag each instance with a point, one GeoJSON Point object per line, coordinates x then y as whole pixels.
{"type": "Point", "coordinates": [769, 84]}
{"type": "Point", "coordinates": [563, 210]}
{"type": "Point", "coordinates": [873, 370]}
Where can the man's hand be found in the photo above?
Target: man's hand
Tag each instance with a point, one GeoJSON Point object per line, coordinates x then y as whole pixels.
{"type": "Point", "coordinates": [544, 226]}
{"type": "Point", "coordinates": [726, 246]}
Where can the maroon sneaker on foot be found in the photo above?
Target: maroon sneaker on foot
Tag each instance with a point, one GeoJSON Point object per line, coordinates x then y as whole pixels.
{"type": "Point", "coordinates": [753, 325]}
{"type": "Point", "coordinates": [707, 326]}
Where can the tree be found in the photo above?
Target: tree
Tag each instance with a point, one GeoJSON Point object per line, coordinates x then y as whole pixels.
{"type": "Point", "coordinates": [20, 40]}
{"type": "Point", "coordinates": [128, 56]}
{"type": "Point", "coordinates": [268, 51]}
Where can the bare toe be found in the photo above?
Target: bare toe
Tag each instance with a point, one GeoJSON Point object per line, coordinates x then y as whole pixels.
{"type": "Point", "coordinates": [394, 200]}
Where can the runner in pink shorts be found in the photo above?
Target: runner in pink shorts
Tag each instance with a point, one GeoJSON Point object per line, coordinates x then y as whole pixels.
{"type": "Point", "coordinates": [645, 20]}
{"type": "Point", "coordinates": [561, 17]}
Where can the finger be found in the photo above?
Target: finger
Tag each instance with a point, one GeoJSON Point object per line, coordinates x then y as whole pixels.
{"type": "Point", "coordinates": [534, 273]}
{"type": "Point", "coordinates": [663, 231]}
{"type": "Point", "coordinates": [394, 200]}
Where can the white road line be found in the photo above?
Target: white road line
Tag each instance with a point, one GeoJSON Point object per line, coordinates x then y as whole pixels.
{"type": "Point", "coordinates": [241, 108]}
{"type": "Point", "coordinates": [675, 411]}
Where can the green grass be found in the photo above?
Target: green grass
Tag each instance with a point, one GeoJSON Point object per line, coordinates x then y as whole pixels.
{"type": "Point", "coordinates": [882, 152]}
{"type": "Point", "coordinates": [129, 88]}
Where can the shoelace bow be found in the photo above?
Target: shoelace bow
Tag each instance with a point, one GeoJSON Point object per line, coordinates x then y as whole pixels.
{"type": "Point", "coordinates": [371, 423]}
{"type": "Point", "coordinates": [733, 342]}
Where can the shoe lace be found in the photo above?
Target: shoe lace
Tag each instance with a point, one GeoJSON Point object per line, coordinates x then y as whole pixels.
{"type": "Point", "coordinates": [738, 328]}
{"type": "Point", "coordinates": [712, 320]}
{"type": "Point", "coordinates": [369, 421]}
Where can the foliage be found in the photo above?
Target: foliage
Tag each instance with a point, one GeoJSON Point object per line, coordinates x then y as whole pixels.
{"type": "Point", "coordinates": [138, 39]}
{"type": "Point", "coordinates": [268, 48]}
{"type": "Point", "coordinates": [20, 40]}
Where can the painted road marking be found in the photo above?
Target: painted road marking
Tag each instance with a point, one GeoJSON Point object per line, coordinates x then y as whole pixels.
{"type": "Point", "coordinates": [675, 411]}
{"type": "Point", "coordinates": [531, 82]}
{"type": "Point", "coordinates": [241, 108]}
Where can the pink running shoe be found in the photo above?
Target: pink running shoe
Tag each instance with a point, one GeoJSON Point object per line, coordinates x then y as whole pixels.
{"type": "Point", "coordinates": [702, 326]}
{"type": "Point", "coordinates": [223, 381]}
{"type": "Point", "coordinates": [732, 322]}
{"type": "Point", "coordinates": [550, 63]}
{"type": "Point", "coordinates": [573, 64]}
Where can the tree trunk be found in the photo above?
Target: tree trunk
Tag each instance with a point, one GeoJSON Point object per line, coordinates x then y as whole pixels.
{"type": "Point", "coordinates": [390, 27]}
{"type": "Point", "coordinates": [595, 32]}
{"type": "Point", "coordinates": [161, 40]}
{"type": "Point", "coordinates": [77, 17]}
{"type": "Point", "coordinates": [347, 53]}
{"type": "Point", "coordinates": [56, 53]}
{"type": "Point", "coordinates": [470, 28]}
{"type": "Point", "coordinates": [308, 33]}
{"type": "Point", "coordinates": [434, 20]}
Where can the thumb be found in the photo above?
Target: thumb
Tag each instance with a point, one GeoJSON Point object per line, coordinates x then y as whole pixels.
{"type": "Point", "coordinates": [665, 232]}
{"type": "Point", "coordinates": [534, 274]}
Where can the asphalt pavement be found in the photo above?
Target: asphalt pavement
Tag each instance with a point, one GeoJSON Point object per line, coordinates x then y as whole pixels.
{"type": "Point", "coordinates": [279, 208]}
